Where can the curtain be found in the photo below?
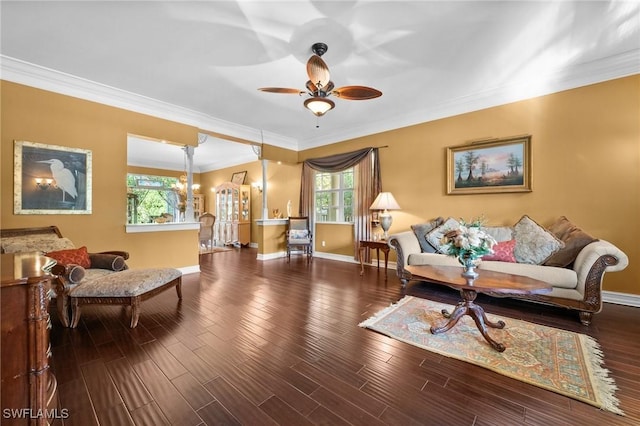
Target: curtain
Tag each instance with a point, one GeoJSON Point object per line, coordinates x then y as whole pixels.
{"type": "Point", "coordinates": [366, 164]}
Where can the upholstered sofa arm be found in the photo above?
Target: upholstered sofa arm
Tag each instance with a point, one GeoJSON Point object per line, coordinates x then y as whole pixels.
{"type": "Point", "coordinates": [592, 262]}
{"type": "Point", "coordinates": [404, 243]}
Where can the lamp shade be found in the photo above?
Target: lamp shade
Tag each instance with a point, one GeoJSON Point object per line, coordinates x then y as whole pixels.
{"type": "Point", "coordinates": [319, 106]}
{"type": "Point", "coordinates": [385, 201]}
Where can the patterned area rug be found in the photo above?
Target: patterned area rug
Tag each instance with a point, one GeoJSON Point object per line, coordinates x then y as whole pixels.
{"type": "Point", "coordinates": [561, 361]}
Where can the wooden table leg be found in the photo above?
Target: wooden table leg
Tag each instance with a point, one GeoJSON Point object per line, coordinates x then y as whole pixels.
{"type": "Point", "coordinates": [467, 307]}
{"type": "Point", "coordinates": [361, 252]}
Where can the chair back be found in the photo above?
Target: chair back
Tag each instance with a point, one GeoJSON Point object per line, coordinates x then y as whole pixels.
{"type": "Point", "coordinates": [207, 220]}
{"type": "Point", "coordinates": [298, 223]}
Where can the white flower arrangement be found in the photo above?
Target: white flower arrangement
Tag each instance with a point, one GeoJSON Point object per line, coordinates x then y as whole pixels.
{"type": "Point", "coordinates": [468, 242]}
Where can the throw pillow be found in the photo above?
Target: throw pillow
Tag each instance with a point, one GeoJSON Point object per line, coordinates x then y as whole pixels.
{"type": "Point", "coordinates": [78, 256]}
{"type": "Point", "coordinates": [74, 273]}
{"type": "Point", "coordinates": [502, 252]}
{"type": "Point", "coordinates": [534, 244]}
{"type": "Point", "coordinates": [108, 261]}
{"type": "Point", "coordinates": [434, 237]}
{"type": "Point", "coordinates": [298, 234]}
{"type": "Point", "coordinates": [574, 239]}
{"type": "Point", "coordinates": [422, 229]}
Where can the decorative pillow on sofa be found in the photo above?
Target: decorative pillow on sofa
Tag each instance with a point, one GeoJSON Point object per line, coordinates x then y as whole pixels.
{"type": "Point", "coordinates": [421, 231]}
{"type": "Point", "coordinates": [574, 239]}
{"type": "Point", "coordinates": [534, 244]}
{"type": "Point", "coordinates": [502, 252]}
{"type": "Point", "coordinates": [108, 261]}
{"type": "Point", "coordinates": [434, 236]}
{"type": "Point", "coordinates": [78, 256]}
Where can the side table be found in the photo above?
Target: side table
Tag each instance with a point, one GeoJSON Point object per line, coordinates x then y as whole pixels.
{"type": "Point", "coordinates": [378, 245]}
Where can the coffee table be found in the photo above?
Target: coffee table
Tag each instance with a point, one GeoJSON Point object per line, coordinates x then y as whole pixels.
{"type": "Point", "coordinates": [488, 282]}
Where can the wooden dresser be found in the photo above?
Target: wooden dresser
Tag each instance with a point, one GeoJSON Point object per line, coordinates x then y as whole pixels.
{"type": "Point", "coordinates": [28, 386]}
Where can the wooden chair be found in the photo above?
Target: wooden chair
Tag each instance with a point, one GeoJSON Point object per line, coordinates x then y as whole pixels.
{"type": "Point", "coordinates": [206, 229]}
{"type": "Point", "coordinates": [299, 237]}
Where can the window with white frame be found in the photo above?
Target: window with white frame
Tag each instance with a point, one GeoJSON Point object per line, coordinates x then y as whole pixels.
{"type": "Point", "coordinates": [334, 196]}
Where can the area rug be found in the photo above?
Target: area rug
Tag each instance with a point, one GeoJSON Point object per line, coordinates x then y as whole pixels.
{"type": "Point", "coordinates": [213, 250]}
{"type": "Point", "coordinates": [557, 360]}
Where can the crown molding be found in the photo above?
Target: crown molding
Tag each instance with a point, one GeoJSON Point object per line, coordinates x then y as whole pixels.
{"type": "Point", "coordinates": [584, 74]}
{"type": "Point", "coordinates": [28, 74]}
{"type": "Point", "coordinates": [578, 75]}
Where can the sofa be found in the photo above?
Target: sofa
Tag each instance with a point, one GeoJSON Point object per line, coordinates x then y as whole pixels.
{"type": "Point", "coordinates": [81, 277]}
{"type": "Point", "coordinates": [563, 255]}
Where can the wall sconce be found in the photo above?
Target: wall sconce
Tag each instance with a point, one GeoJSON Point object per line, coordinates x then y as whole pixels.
{"type": "Point", "coordinates": [257, 185]}
{"type": "Point", "coordinates": [44, 183]}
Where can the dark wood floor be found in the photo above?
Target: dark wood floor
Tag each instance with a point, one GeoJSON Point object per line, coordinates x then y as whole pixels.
{"type": "Point", "coordinates": [258, 343]}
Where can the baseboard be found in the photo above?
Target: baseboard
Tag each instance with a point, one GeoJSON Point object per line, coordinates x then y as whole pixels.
{"type": "Point", "coordinates": [333, 256]}
{"type": "Point", "coordinates": [621, 298]}
{"type": "Point", "coordinates": [194, 269]}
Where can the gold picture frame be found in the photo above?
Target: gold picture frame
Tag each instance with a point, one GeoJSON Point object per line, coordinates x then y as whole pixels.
{"type": "Point", "coordinates": [494, 166]}
{"type": "Point", "coordinates": [51, 179]}
{"type": "Point", "coordinates": [238, 178]}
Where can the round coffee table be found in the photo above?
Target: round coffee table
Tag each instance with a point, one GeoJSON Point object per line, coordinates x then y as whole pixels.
{"type": "Point", "coordinates": [488, 282]}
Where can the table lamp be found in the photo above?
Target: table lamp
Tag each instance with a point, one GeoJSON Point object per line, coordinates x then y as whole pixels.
{"type": "Point", "coordinates": [385, 201]}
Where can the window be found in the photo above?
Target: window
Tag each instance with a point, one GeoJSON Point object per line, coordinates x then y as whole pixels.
{"type": "Point", "coordinates": [151, 199]}
{"type": "Point", "coordinates": [334, 196]}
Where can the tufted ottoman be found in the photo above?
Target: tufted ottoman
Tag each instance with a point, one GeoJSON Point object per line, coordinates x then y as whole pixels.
{"type": "Point", "coordinates": [128, 288]}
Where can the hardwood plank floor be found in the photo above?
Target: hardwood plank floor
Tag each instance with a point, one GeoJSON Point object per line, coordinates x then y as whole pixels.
{"type": "Point", "coordinates": [255, 343]}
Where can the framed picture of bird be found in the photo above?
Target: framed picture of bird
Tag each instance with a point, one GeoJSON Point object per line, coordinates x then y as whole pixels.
{"type": "Point", "coordinates": [51, 179]}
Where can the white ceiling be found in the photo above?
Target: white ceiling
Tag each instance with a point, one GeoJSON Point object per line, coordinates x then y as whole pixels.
{"type": "Point", "coordinates": [201, 63]}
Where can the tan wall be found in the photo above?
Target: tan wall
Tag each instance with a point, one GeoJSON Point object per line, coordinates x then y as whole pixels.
{"type": "Point", "coordinates": [585, 165]}
{"type": "Point", "coordinates": [39, 116]}
{"type": "Point", "coordinates": [283, 185]}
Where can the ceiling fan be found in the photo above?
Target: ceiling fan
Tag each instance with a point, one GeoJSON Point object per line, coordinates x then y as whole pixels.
{"type": "Point", "coordinates": [320, 87]}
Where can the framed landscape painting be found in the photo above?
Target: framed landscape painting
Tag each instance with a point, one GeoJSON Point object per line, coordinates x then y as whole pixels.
{"type": "Point", "coordinates": [51, 179]}
{"type": "Point", "coordinates": [500, 165]}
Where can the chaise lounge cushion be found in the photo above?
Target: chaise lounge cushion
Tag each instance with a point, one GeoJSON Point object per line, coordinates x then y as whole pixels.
{"type": "Point", "coordinates": [38, 242]}
{"type": "Point", "coordinates": [129, 283]}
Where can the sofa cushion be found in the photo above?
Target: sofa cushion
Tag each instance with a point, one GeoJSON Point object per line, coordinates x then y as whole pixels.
{"type": "Point", "coordinates": [433, 259]}
{"type": "Point", "coordinates": [422, 229]}
{"type": "Point", "coordinates": [434, 237]}
{"type": "Point", "coordinates": [556, 277]}
{"type": "Point", "coordinates": [534, 244]}
{"type": "Point", "coordinates": [502, 252]}
{"type": "Point", "coordinates": [574, 239]}
{"type": "Point", "coordinates": [37, 242]}
{"type": "Point", "coordinates": [78, 256]}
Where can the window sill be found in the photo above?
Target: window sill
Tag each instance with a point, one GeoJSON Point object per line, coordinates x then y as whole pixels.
{"type": "Point", "coordinates": [162, 227]}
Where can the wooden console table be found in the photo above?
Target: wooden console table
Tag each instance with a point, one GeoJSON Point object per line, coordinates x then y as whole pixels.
{"type": "Point", "coordinates": [378, 245]}
{"type": "Point", "coordinates": [28, 386]}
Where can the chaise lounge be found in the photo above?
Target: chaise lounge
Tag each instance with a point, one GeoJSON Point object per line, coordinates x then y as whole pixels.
{"type": "Point", "coordinates": [83, 278]}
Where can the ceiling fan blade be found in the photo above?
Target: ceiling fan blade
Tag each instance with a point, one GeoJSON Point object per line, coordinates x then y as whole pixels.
{"type": "Point", "coordinates": [282, 90]}
{"type": "Point", "coordinates": [356, 93]}
{"type": "Point", "coordinates": [311, 87]}
{"type": "Point", "coordinates": [318, 71]}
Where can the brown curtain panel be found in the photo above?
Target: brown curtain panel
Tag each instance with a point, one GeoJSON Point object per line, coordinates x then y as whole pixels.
{"type": "Point", "coordinates": [366, 164]}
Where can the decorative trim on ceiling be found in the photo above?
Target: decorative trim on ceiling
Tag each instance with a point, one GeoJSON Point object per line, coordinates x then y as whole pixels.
{"type": "Point", "coordinates": [29, 74]}
{"type": "Point", "coordinates": [616, 66]}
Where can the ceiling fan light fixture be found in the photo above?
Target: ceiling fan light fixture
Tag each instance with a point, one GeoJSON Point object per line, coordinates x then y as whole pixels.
{"type": "Point", "coordinates": [319, 106]}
